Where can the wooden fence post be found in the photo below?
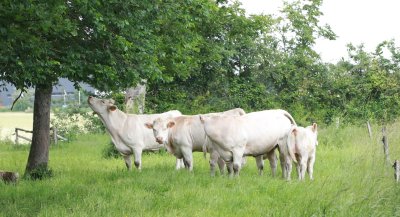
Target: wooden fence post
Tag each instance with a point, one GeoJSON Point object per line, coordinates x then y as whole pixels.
{"type": "Point", "coordinates": [55, 135]}
{"type": "Point", "coordinates": [385, 145]}
{"type": "Point", "coordinates": [396, 167]}
{"type": "Point", "coordinates": [369, 129]}
{"type": "Point", "coordinates": [16, 136]}
{"type": "Point", "coordinates": [337, 123]}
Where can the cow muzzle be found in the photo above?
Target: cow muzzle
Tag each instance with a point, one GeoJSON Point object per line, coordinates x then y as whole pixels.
{"type": "Point", "coordinates": [159, 140]}
{"type": "Point", "coordinates": [90, 99]}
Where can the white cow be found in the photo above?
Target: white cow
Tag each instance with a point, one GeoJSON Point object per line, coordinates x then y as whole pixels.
{"type": "Point", "coordinates": [127, 131]}
{"type": "Point", "coordinates": [185, 134]}
{"type": "Point", "coordinates": [302, 143]}
{"type": "Point", "coordinates": [253, 134]}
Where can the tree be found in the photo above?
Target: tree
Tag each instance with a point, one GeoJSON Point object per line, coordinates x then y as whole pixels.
{"type": "Point", "coordinates": [135, 99]}
{"type": "Point", "coordinates": [366, 84]}
{"type": "Point", "coordinates": [294, 73]}
{"type": "Point", "coordinates": [227, 50]}
{"type": "Point", "coordinates": [108, 44]}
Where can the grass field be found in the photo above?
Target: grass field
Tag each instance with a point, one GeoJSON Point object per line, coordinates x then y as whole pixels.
{"type": "Point", "coordinates": [351, 179]}
{"type": "Point", "coordinates": [10, 120]}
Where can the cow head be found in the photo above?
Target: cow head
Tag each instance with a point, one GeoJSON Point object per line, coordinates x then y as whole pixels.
{"type": "Point", "coordinates": [314, 127]}
{"type": "Point", "coordinates": [314, 130]}
{"type": "Point", "coordinates": [160, 128]}
{"type": "Point", "coordinates": [101, 106]}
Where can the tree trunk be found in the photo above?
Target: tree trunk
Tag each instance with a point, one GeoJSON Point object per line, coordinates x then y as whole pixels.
{"type": "Point", "coordinates": [39, 152]}
{"type": "Point", "coordinates": [135, 99]}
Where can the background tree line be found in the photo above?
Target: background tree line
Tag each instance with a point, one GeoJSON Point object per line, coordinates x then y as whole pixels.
{"type": "Point", "coordinates": [263, 61]}
{"type": "Point", "coordinates": [196, 55]}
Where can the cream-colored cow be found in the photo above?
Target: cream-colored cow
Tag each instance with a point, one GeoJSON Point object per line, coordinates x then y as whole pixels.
{"type": "Point", "coordinates": [127, 131]}
{"type": "Point", "coordinates": [302, 144]}
{"type": "Point", "coordinates": [185, 134]}
{"type": "Point", "coordinates": [253, 134]}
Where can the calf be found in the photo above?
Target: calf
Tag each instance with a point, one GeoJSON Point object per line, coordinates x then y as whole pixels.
{"type": "Point", "coordinates": [127, 131]}
{"type": "Point", "coordinates": [302, 143]}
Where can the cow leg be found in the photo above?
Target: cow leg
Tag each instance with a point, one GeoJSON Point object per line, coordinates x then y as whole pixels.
{"type": "Point", "coordinates": [298, 168]}
{"type": "Point", "coordinates": [288, 167]}
{"type": "Point", "coordinates": [216, 159]}
{"type": "Point", "coordinates": [303, 167]}
{"type": "Point", "coordinates": [310, 166]}
{"type": "Point", "coordinates": [221, 165]}
{"type": "Point", "coordinates": [138, 159]}
{"type": "Point", "coordinates": [128, 162]}
{"type": "Point", "coordinates": [286, 164]}
{"type": "Point", "coordinates": [273, 160]}
{"type": "Point", "coordinates": [237, 155]}
{"type": "Point", "coordinates": [229, 167]}
{"type": "Point", "coordinates": [283, 164]}
{"type": "Point", "coordinates": [179, 163]}
{"type": "Point", "coordinates": [213, 160]}
{"type": "Point", "coordinates": [188, 158]}
{"type": "Point", "coordinates": [260, 164]}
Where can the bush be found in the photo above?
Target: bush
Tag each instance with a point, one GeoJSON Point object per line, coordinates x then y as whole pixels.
{"type": "Point", "coordinates": [39, 173]}
{"type": "Point", "coordinates": [72, 121]}
{"type": "Point", "coordinates": [92, 123]}
{"type": "Point", "coordinates": [110, 151]}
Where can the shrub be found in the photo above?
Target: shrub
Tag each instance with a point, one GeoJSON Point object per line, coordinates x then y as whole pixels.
{"type": "Point", "coordinates": [72, 121]}
{"type": "Point", "coordinates": [110, 151]}
{"type": "Point", "coordinates": [39, 173]}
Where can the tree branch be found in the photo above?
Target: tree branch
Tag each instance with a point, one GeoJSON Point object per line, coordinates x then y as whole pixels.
{"type": "Point", "coordinates": [19, 96]}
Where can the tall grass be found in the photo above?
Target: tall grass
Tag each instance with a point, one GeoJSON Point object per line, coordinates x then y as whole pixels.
{"type": "Point", "coordinates": [351, 179]}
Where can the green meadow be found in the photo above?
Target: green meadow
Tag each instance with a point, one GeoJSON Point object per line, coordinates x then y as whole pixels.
{"type": "Point", "coordinates": [351, 179]}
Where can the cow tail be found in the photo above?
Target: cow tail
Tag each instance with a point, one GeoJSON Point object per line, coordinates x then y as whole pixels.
{"type": "Point", "coordinates": [291, 143]}
{"type": "Point", "coordinates": [292, 121]}
{"type": "Point", "coordinates": [205, 147]}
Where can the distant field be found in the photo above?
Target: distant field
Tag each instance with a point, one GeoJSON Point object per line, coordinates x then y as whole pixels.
{"type": "Point", "coordinates": [351, 179]}
{"type": "Point", "coordinates": [10, 120]}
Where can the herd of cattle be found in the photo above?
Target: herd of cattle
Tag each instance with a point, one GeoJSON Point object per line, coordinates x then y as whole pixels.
{"type": "Point", "coordinates": [227, 136]}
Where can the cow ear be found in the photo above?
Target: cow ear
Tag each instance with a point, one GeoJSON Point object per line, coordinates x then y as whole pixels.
{"type": "Point", "coordinates": [294, 131]}
{"type": "Point", "coordinates": [201, 118]}
{"type": "Point", "coordinates": [149, 125]}
{"type": "Point", "coordinates": [314, 127]}
{"type": "Point", "coordinates": [112, 108]}
{"type": "Point", "coordinates": [171, 124]}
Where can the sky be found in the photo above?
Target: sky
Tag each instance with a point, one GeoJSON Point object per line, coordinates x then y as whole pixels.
{"type": "Point", "coordinates": [367, 22]}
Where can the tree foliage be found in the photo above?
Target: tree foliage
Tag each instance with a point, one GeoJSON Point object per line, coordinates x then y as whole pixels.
{"type": "Point", "coordinates": [367, 84]}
